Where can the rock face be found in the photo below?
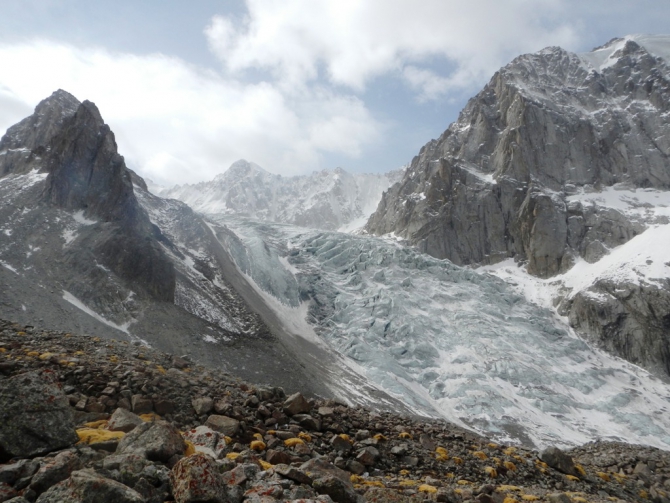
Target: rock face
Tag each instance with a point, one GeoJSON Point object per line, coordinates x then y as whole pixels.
{"type": "Point", "coordinates": [504, 180]}
{"type": "Point", "coordinates": [35, 416]}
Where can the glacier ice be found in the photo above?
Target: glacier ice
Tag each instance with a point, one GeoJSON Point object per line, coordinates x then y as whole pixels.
{"type": "Point", "coordinates": [450, 341]}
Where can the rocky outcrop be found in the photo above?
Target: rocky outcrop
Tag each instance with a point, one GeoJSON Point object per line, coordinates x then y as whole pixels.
{"type": "Point", "coordinates": [401, 459]}
{"type": "Point", "coordinates": [504, 180]}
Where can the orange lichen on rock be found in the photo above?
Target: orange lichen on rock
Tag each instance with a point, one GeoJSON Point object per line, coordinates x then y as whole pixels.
{"type": "Point", "coordinates": [95, 436]}
{"type": "Point", "coordinates": [291, 442]}
{"type": "Point", "coordinates": [257, 445]}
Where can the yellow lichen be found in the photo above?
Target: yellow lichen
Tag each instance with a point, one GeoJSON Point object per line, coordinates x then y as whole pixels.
{"type": "Point", "coordinates": [464, 482]}
{"type": "Point", "coordinates": [509, 451]}
{"type": "Point", "coordinates": [480, 455]}
{"type": "Point", "coordinates": [509, 499]}
{"type": "Point", "coordinates": [264, 464]}
{"type": "Point", "coordinates": [3, 350]}
{"type": "Point", "coordinates": [643, 494]}
{"type": "Point", "coordinates": [404, 434]}
{"type": "Point", "coordinates": [407, 483]}
{"type": "Point", "coordinates": [510, 466]}
{"type": "Point", "coordinates": [232, 455]}
{"type": "Point", "coordinates": [579, 499]}
{"type": "Point", "coordinates": [114, 359]}
{"type": "Point", "coordinates": [305, 436]}
{"type": "Point", "coordinates": [491, 472]}
{"type": "Point", "coordinates": [404, 472]}
{"type": "Point", "coordinates": [227, 440]}
{"type": "Point", "coordinates": [161, 369]}
{"type": "Point", "coordinates": [380, 437]}
{"type": "Point", "coordinates": [95, 436]}
{"type": "Point", "coordinates": [580, 470]}
{"type": "Point", "coordinates": [356, 479]}
{"type": "Point", "coordinates": [603, 476]}
{"type": "Point", "coordinates": [291, 442]}
{"type": "Point", "coordinates": [258, 436]}
{"type": "Point", "coordinates": [457, 460]}
{"type": "Point", "coordinates": [506, 489]}
{"type": "Point", "coordinates": [190, 448]}
{"type": "Point", "coordinates": [572, 478]}
{"type": "Point", "coordinates": [150, 417]}
{"type": "Point", "coordinates": [78, 353]}
{"type": "Point", "coordinates": [619, 478]}
{"type": "Point", "coordinates": [97, 424]}
{"type": "Point", "coordinates": [492, 445]}
{"type": "Point", "coordinates": [530, 497]}
{"type": "Point", "coordinates": [373, 483]}
{"type": "Point", "coordinates": [32, 353]}
{"type": "Point", "coordinates": [257, 445]}
{"type": "Point", "coordinates": [20, 333]}
{"type": "Point", "coordinates": [271, 432]}
{"type": "Point", "coordinates": [425, 488]}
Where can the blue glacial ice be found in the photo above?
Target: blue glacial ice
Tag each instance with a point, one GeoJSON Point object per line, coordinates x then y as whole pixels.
{"type": "Point", "coordinates": [450, 341]}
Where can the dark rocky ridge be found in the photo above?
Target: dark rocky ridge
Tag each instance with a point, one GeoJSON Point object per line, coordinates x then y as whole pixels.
{"type": "Point", "coordinates": [381, 457]}
{"type": "Point", "coordinates": [496, 184]}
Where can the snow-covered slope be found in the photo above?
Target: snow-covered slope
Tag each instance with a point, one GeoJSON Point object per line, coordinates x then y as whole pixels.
{"type": "Point", "coordinates": [447, 340]}
{"type": "Point", "coordinates": [325, 199]}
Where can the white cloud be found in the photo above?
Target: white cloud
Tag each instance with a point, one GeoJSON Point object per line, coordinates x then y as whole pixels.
{"type": "Point", "coordinates": [349, 42]}
{"type": "Point", "coordinates": [177, 123]}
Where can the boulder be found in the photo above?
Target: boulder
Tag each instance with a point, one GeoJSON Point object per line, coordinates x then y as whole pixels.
{"type": "Point", "coordinates": [334, 487]}
{"type": "Point", "coordinates": [123, 420]}
{"type": "Point", "coordinates": [54, 470]}
{"type": "Point", "coordinates": [157, 441]}
{"type": "Point", "coordinates": [86, 486]}
{"type": "Point", "coordinates": [196, 478]}
{"type": "Point", "coordinates": [558, 460]}
{"type": "Point", "coordinates": [223, 424]}
{"type": "Point", "coordinates": [202, 405]}
{"type": "Point", "coordinates": [35, 416]}
{"type": "Point", "coordinates": [319, 467]}
{"type": "Point", "coordinates": [296, 404]}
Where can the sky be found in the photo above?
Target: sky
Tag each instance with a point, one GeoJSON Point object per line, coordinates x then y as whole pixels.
{"type": "Point", "coordinates": [293, 85]}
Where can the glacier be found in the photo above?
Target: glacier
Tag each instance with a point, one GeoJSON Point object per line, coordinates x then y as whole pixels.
{"type": "Point", "coordinates": [448, 341]}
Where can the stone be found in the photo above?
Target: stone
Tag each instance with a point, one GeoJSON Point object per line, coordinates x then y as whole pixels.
{"type": "Point", "coordinates": [277, 457]}
{"type": "Point", "coordinates": [294, 474]}
{"type": "Point", "coordinates": [326, 411]}
{"type": "Point", "coordinates": [223, 424]}
{"type": "Point", "coordinates": [202, 405]}
{"type": "Point", "coordinates": [367, 456]}
{"type": "Point", "coordinates": [196, 478]}
{"type": "Point", "coordinates": [7, 492]}
{"type": "Point", "coordinates": [123, 420]}
{"type": "Point", "coordinates": [340, 444]}
{"type": "Point", "coordinates": [319, 467]}
{"type": "Point", "coordinates": [355, 467]}
{"type": "Point", "coordinates": [558, 460]}
{"type": "Point", "coordinates": [296, 404]}
{"type": "Point", "coordinates": [86, 486]}
{"type": "Point", "coordinates": [163, 406]}
{"type": "Point", "coordinates": [307, 421]}
{"type": "Point", "coordinates": [141, 404]}
{"type": "Point", "coordinates": [35, 416]}
{"type": "Point", "coordinates": [130, 467]}
{"type": "Point", "coordinates": [558, 498]}
{"type": "Point", "coordinates": [334, 487]}
{"type": "Point", "coordinates": [241, 474]}
{"type": "Point", "coordinates": [22, 468]}
{"type": "Point", "coordinates": [157, 441]}
{"type": "Point", "coordinates": [54, 470]}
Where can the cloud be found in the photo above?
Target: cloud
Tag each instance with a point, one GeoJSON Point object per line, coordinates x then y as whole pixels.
{"type": "Point", "coordinates": [178, 123]}
{"type": "Point", "coordinates": [435, 46]}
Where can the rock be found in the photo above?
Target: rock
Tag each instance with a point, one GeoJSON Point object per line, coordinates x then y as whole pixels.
{"type": "Point", "coordinates": [384, 495]}
{"type": "Point", "coordinates": [130, 467]}
{"type": "Point", "coordinates": [355, 467]}
{"type": "Point", "coordinates": [223, 424]}
{"type": "Point", "coordinates": [307, 422]}
{"type": "Point", "coordinates": [22, 468]}
{"type": "Point", "coordinates": [196, 478]}
{"type": "Point", "coordinates": [294, 474]}
{"type": "Point", "coordinates": [277, 457]}
{"type": "Point", "coordinates": [35, 416]}
{"type": "Point", "coordinates": [319, 467]}
{"type": "Point", "coordinates": [340, 444]}
{"type": "Point", "coordinates": [123, 420]}
{"type": "Point", "coordinates": [326, 411]}
{"type": "Point", "coordinates": [54, 470]}
{"type": "Point", "coordinates": [367, 456]}
{"type": "Point", "coordinates": [334, 487]}
{"type": "Point", "coordinates": [86, 486]}
{"type": "Point", "coordinates": [157, 441]}
{"type": "Point", "coordinates": [164, 406]}
{"type": "Point", "coordinates": [558, 498]}
{"type": "Point", "coordinates": [296, 404]}
{"type": "Point", "coordinates": [141, 404]}
{"type": "Point", "coordinates": [241, 474]}
{"type": "Point", "coordinates": [7, 492]}
{"type": "Point", "coordinates": [202, 405]}
{"type": "Point", "coordinates": [558, 460]}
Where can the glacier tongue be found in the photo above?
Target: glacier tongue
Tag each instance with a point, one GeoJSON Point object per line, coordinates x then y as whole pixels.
{"type": "Point", "coordinates": [450, 341]}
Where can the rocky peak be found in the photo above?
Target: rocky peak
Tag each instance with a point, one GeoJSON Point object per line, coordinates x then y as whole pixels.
{"type": "Point", "coordinates": [85, 170]}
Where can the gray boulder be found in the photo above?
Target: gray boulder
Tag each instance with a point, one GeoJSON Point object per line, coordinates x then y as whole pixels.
{"type": "Point", "coordinates": [157, 441]}
{"type": "Point", "coordinates": [223, 424]}
{"type": "Point", "coordinates": [123, 420]}
{"type": "Point", "coordinates": [86, 486]}
{"type": "Point", "coordinates": [296, 404]}
{"type": "Point", "coordinates": [558, 460]}
{"type": "Point", "coordinates": [195, 479]}
{"type": "Point", "coordinates": [35, 416]}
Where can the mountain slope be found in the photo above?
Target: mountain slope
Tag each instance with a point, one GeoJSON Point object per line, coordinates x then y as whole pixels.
{"type": "Point", "coordinates": [324, 200]}
{"type": "Point", "coordinates": [511, 178]}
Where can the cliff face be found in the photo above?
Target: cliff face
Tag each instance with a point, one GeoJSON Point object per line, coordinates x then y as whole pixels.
{"type": "Point", "coordinates": [548, 125]}
{"type": "Point", "coordinates": [510, 177]}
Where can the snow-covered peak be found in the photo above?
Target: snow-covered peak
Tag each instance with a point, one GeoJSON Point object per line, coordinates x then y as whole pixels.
{"type": "Point", "coordinates": [327, 199]}
{"type": "Point", "coordinates": [608, 54]}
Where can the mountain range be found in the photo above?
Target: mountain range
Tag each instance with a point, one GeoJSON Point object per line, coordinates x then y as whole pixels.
{"type": "Point", "coordinates": [511, 279]}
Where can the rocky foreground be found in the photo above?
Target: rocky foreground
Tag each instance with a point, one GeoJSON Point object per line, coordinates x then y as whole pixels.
{"type": "Point", "coordinates": [86, 420]}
